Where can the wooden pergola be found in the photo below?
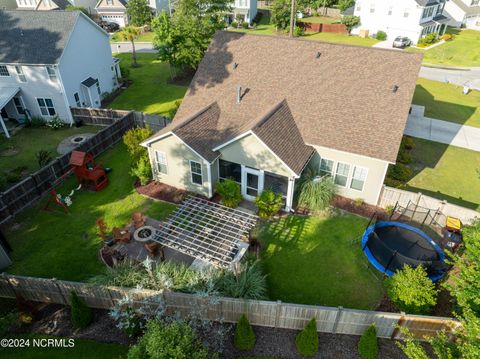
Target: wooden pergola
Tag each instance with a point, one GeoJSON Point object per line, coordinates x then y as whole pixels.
{"type": "Point", "coordinates": [206, 230]}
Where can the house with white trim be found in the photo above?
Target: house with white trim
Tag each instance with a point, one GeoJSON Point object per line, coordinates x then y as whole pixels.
{"type": "Point", "coordinates": [260, 109]}
{"type": "Point", "coordinates": [113, 11]}
{"type": "Point", "coordinates": [243, 10]}
{"type": "Point", "coordinates": [51, 61]}
{"type": "Point", "coordinates": [464, 13]}
{"type": "Point", "coordinates": [411, 18]}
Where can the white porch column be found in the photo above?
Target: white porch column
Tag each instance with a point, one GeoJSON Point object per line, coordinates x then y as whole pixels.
{"type": "Point", "coordinates": [4, 127]}
{"type": "Point", "coordinates": [209, 178]}
{"type": "Point", "coordinates": [290, 191]}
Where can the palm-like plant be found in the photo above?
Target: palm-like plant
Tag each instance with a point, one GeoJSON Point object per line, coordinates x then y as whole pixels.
{"type": "Point", "coordinates": [315, 191]}
{"type": "Point", "coordinates": [130, 33]}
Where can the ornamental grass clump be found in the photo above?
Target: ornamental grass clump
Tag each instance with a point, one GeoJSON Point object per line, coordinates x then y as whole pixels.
{"type": "Point", "coordinates": [314, 191]}
{"type": "Point", "coordinates": [81, 315]}
{"type": "Point", "coordinates": [412, 291]}
{"type": "Point", "coordinates": [307, 340]}
{"type": "Point", "coordinates": [368, 343]}
{"type": "Point", "coordinates": [244, 336]}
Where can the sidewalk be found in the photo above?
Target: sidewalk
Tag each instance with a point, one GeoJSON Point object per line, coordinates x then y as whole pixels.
{"type": "Point", "coordinates": [441, 131]}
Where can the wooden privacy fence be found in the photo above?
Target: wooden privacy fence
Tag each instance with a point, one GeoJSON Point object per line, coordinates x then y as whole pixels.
{"type": "Point", "coordinates": [390, 196]}
{"type": "Point", "coordinates": [314, 27]}
{"type": "Point", "coordinates": [262, 313]}
{"type": "Point", "coordinates": [34, 187]}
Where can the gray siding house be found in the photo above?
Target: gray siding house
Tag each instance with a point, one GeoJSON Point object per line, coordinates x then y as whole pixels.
{"type": "Point", "coordinates": [260, 109]}
{"type": "Point", "coordinates": [51, 61]}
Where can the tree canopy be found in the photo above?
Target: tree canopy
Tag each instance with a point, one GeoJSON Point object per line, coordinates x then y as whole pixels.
{"type": "Point", "coordinates": [139, 12]}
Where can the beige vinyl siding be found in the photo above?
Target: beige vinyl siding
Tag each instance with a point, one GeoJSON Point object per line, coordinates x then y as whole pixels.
{"type": "Point", "coordinates": [249, 151]}
{"type": "Point", "coordinates": [375, 176]}
{"type": "Point", "coordinates": [178, 157]}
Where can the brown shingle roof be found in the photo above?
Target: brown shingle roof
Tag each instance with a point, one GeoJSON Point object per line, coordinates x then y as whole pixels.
{"type": "Point", "coordinates": [340, 96]}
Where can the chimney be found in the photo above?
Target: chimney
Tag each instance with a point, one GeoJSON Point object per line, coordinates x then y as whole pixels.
{"type": "Point", "coordinates": [239, 94]}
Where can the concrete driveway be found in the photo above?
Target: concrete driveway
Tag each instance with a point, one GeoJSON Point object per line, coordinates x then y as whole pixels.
{"type": "Point", "coordinates": [442, 131]}
{"type": "Point", "coordinates": [387, 44]}
{"type": "Point", "coordinates": [121, 47]}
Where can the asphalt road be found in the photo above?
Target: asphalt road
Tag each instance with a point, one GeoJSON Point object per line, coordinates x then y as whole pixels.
{"type": "Point", "coordinates": [458, 76]}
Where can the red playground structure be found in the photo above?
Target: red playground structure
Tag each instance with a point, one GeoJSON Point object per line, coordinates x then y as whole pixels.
{"type": "Point", "coordinates": [90, 175]}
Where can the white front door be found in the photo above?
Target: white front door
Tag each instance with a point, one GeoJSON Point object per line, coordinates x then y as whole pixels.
{"type": "Point", "coordinates": [252, 183]}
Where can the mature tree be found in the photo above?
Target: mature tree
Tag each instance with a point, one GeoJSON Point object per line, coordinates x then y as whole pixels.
{"type": "Point", "coordinates": [350, 22]}
{"type": "Point", "coordinates": [182, 39]}
{"type": "Point", "coordinates": [345, 4]}
{"type": "Point", "coordinates": [281, 11]}
{"type": "Point", "coordinates": [139, 13]}
{"type": "Point", "coordinates": [130, 33]}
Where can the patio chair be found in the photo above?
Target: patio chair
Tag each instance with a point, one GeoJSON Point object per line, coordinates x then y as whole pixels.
{"type": "Point", "coordinates": [154, 249]}
{"type": "Point", "coordinates": [138, 219]}
{"type": "Point", "coordinates": [121, 235]}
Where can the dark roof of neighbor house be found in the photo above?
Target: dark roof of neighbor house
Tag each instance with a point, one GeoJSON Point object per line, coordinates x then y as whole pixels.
{"type": "Point", "coordinates": [61, 4]}
{"type": "Point", "coordinates": [427, 2]}
{"type": "Point", "coordinates": [348, 98]}
{"type": "Point", "coordinates": [35, 37]}
{"type": "Point", "coordinates": [104, 5]}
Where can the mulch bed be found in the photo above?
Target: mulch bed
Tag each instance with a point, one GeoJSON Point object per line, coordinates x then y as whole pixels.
{"type": "Point", "coordinates": [364, 209]}
{"type": "Point", "coordinates": [162, 191]}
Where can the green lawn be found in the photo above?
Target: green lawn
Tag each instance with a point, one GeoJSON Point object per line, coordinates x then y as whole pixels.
{"type": "Point", "coordinates": [312, 260]}
{"type": "Point", "coordinates": [145, 37]}
{"type": "Point", "coordinates": [464, 50]}
{"type": "Point", "coordinates": [65, 246]}
{"type": "Point", "coordinates": [447, 102]}
{"type": "Point", "coordinates": [266, 28]}
{"type": "Point", "coordinates": [28, 141]}
{"type": "Point", "coordinates": [82, 349]}
{"type": "Point", "coordinates": [150, 91]}
{"type": "Point", "coordinates": [446, 172]}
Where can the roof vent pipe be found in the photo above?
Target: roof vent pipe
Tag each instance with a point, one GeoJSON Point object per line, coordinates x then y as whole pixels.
{"type": "Point", "coordinates": [239, 94]}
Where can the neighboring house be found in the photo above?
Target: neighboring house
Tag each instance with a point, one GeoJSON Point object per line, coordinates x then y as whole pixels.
{"type": "Point", "coordinates": [8, 4]}
{"type": "Point", "coordinates": [243, 10]}
{"type": "Point", "coordinates": [464, 13]}
{"type": "Point", "coordinates": [411, 18]}
{"type": "Point", "coordinates": [47, 5]}
{"type": "Point", "coordinates": [27, 4]}
{"type": "Point", "coordinates": [260, 109]}
{"type": "Point", "coordinates": [113, 11]}
{"type": "Point", "coordinates": [51, 61]}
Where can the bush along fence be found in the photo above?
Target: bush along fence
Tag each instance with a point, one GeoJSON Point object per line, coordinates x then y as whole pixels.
{"type": "Point", "coordinates": [261, 313]}
{"type": "Point", "coordinates": [106, 117]}
{"type": "Point", "coordinates": [391, 196]}
{"type": "Point", "coordinates": [32, 188]}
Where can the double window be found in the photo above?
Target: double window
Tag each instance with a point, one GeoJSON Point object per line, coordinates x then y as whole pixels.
{"type": "Point", "coordinates": [196, 172]}
{"type": "Point", "coordinates": [51, 73]}
{"type": "Point", "coordinates": [161, 160]}
{"type": "Point", "coordinates": [4, 70]}
{"type": "Point", "coordinates": [21, 75]}
{"type": "Point", "coordinates": [46, 107]}
{"type": "Point", "coordinates": [345, 175]}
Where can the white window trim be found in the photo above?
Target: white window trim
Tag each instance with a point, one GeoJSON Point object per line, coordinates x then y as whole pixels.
{"type": "Point", "coordinates": [332, 173]}
{"type": "Point", "coordinates": [191, 173]}
{"type": "Point", "coordinates": [40, 108]}
{"type": "Point", "coordinates": [349, 174]}
{"type": "Point", "coordinates": [364, 181]}
{"type": "Point", "coordinates": [21, 75]}
{"type": "Point", "coordinates": [52, 77]}
{"type": "Point", "coordinates": [157, 163]}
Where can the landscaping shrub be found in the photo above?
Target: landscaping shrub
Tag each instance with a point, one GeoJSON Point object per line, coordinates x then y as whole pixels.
{"type": "Point", "coordinates": [245, 25]}
{"type": "Point", "coordinates": [244, 336]}
{"type": "Point", "coordinates": [428, 40]}
{"type": "Point", "coordinates": [368, 344]}
{"type": "Point", "coordinates": [55, 123]}
{"type": "Point", "coordinates": [234, 24]}
{"type": "Point", "coordinates": [350, 22]}
{"type": "Point", "coordinates": [173, 111]}
{"type": "Point", "coordinates": [399, 172]}
{"type": "Point", "coordinates": [381, 35]}
{"type": "Point", "coordinates": [268, 203]}
{"type": "Point", "coordinates": [404, 157]}
{"type": "Point", "coordinates": [299, 31]}
{"type": "Point", "coordinates": [8, 321]}
{"type": "Point", "coordinates": [307, 340]}
{"type": "Point", "coordinates": [142, 170]}
{"type": "Point", "coordinates": [174, 340]}
{"type": "Point", "coordinates": [43, 158]}
{"type": "Point", "coordinates": [127, 318]}
{"type": "Point", "coordinates": [230, 192]}
{"type": "Point", "coordinates": [447, 37]}
{"type": "Point", "coordinates": [408, 143]}
{"type": "Point", "coordinates": [249, 282]}
{"type": "Point", "coordinates": [412, 291]}
{"type": "Point", "coordinates": [35, 122]}
{"type": "Point", "coordinates": [358, 202]}
{"type": "Point", "coordinates": [81, 315]}
{"type": "Point", "coordinates": [390, 182]}
{"type": "Point", "coordinates": [315, 192]}
{"type": "Point", "coordinates": [132, 139]}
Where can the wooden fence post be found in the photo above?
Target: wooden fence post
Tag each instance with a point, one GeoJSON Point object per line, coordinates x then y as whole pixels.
{"type": "Point", "coordinates": [278, 310]}
{"type": "Point", "coordinates": [337, 320]}
{"type": "Point", "coordinates": [400, 324]}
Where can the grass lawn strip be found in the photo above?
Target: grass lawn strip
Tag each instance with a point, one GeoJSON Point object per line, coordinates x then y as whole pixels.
{"type": "Point", "coordinates": [65, 246]}
{"type": "Point", "coordinates": [82, 349]}
{"type": "Point", "coordinates": [447, 102]}
{"type": "Point", "coordinates": [150, 91]}
{"type": "Point", "coordinates": [312, 260]}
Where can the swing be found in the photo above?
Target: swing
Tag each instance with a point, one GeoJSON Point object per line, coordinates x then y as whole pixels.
{"type": "Point", "coordinates": [63, 202]}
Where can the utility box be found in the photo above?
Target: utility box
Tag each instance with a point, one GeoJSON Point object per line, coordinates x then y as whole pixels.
{"type": "Point", "coordinates": [363, 33]}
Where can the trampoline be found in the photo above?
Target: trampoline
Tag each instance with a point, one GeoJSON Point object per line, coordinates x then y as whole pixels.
{"type": "Point", "coordinates": [390, 245]}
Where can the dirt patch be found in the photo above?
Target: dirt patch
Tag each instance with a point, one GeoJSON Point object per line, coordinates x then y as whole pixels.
{"type": "Point", "coordinates": [386, 305]}
{"type": "Point", "coordinates": [361, 209]}
{"type": "Point", "coordinates": [445, 304]}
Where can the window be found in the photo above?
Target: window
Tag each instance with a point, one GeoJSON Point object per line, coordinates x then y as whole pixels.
{"type": "Point", "coordinates": [51, 73]}
{"type": "Point", "coordinates": [228, 169]}
{"type": "Point", "coordinates": [4, 71]}
{"type": "Point", "coordinates": [196, 172]}
{"type": "Point", "coordinates": [18, 105]}
{"type": "Point", "coordinates": [46, 106]}
{"type": "Point", "coordinates": [77, 99]}
{"type": "Point", "coordinates": [326, 167]}
{"type": "Point", "coordinates": [98, 88]}
{"type": "Point", "coordinates": [21, 75]}
{"type": "Point", "coordinates": [406, 12]}
{"type": "Point", "coordinates": [372, 8]}
{"type": "Point", "coordinates": [161, 159]}
{"type": "Point", "coordinates": [341, 175]}
{"type": "Point", "coordinates": [358, 178]}
{"type": "Point", "coordinates": [390, 10]}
